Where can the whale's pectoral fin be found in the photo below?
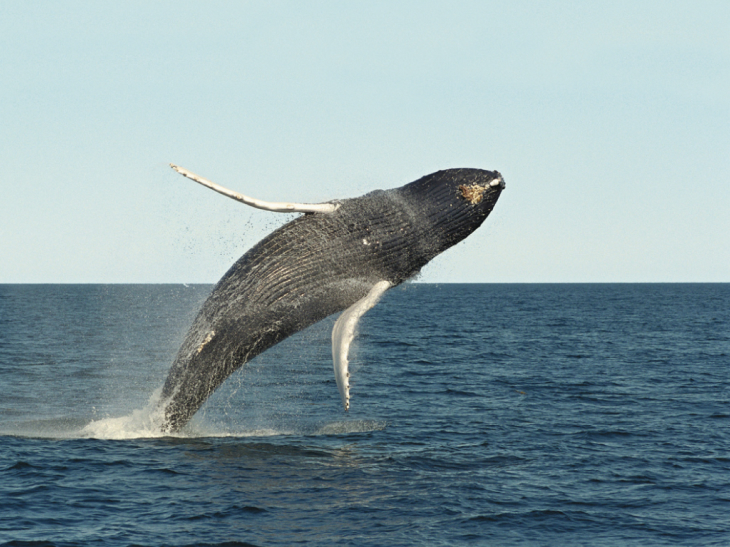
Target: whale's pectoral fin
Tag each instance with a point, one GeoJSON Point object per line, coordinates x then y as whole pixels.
{"type": "Point", "coordinates": [278, 207]}
{"type": "Point", "coordinates": [343, 334]}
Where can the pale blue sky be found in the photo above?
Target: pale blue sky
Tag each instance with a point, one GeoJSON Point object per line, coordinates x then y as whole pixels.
{"type": "Point", "coordinates": [610, 122]}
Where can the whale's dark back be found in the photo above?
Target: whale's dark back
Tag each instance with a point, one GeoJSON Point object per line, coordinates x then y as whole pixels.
{"type": "Point", "coordinates": [314, 266]}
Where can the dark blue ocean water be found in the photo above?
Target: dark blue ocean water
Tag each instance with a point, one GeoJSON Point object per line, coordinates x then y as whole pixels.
{"type": "Point", "coordinates": [481, 415]}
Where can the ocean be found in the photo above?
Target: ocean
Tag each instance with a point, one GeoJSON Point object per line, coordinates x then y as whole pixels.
{"type": "Point", "coordinates": [486, 414]}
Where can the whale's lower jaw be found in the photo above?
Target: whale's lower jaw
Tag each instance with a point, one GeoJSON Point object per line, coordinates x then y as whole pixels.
{"type": "Point", "coordinates": [317, 265]}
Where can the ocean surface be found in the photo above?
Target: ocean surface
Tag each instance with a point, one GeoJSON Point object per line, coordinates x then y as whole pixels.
{"type": "Point", "coordinates": [594, 414]}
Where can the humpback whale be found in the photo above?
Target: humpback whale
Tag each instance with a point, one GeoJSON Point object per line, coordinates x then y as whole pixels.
{"type": "Point", "coordinates": [339, 255]}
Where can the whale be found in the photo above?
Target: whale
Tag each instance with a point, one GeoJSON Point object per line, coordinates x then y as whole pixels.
{"type": "Point", "coordinates": [337, 256]}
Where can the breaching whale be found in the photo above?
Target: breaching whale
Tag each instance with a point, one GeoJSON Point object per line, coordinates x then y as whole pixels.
{"type": "Point", "coordinates": [339, 255]}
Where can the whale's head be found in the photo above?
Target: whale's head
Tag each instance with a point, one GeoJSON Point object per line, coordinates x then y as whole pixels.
{"type": "Point", "coordinates": [454, 202]}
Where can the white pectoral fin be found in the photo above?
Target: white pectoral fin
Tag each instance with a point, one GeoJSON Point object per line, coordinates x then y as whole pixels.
{"type": "Point", "coordinates": [278, 207]}
{"type": "Point", "coordinates": [344, 332]}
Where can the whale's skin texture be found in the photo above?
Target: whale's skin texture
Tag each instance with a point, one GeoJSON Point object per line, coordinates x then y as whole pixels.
{"type": "Point", "coordinates": [317, 265]}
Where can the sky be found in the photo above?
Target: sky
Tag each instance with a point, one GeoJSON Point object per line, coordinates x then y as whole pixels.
{"type": "Point", "coordinates": [609, 121]}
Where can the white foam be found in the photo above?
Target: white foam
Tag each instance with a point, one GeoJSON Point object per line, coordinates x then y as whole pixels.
{"type": "Point", "coordinates": [354, 426]}
{"type": "Point", "coordinates": [146, 423]}
{"type": "Point", "coordinates": [140, 424]}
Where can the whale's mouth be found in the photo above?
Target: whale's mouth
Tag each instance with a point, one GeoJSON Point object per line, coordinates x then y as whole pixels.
{"type": "Point", "coordinates": [474, 193]}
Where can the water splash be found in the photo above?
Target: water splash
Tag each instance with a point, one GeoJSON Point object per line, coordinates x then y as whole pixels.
{"type": "Point", "coordinates": [140, 424]}
{"type": "Point", "coordinates": [146, 423]}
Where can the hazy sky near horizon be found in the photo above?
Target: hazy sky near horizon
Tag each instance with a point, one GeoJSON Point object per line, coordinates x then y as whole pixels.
{"type": "Point", "coordinates": [610, 122]}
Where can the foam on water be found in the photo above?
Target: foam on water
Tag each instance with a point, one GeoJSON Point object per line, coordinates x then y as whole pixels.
{"type": "Point", "coordinates": [356, 426]}
{"type": "Point", "coordinates": [146, 423]}
{"type": "Point", "coordinates": [140, 424]}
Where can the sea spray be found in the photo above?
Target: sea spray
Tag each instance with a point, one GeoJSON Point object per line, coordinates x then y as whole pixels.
{"type": "Point", "coordinates": [140, 424]}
